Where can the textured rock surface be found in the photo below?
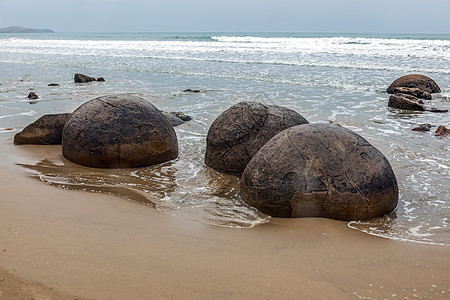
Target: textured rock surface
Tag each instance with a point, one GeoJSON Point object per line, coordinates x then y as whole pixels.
{"type": "Point", "coordinates": [47, 130]}
{"type": "Point", "coordinates": [406, 102]}
{"type": "Point", "coordinates": [80, 78]}
{"type": "Point", "coordinates": [421, 82]}
{"type": "Point", "coordinates": [317, 170]}
{"type": "Point", "coordinates": [240, 131]}
{"type": "Point", "coordinates": [418, 93]}
{"type": "Point", "coordinates": [118, 132]}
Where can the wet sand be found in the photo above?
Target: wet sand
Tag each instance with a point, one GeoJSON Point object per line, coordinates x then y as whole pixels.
{"type": "Point", "coordinates": [98, 246]}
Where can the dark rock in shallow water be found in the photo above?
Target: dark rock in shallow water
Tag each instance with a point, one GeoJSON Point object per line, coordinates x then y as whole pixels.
{"type": "Point", "coordinates": [422, 127]}
{"type": "Point", "coordinates": [47, 130]}
{"type": "Point", "coordinates": [318, 170]}
{"type": "Point", "coordinates": [418, 93]}
{"type": "Point", "coordinates": [80, 78]}
{"type": "Point", "coordinates": [421, 82]}
{"type": "Point", "coordinates": [53, 84]}
{"type": "Point", "coordinates": [192, 91]}
{"type": "Point", "coordinates": [100, 79]}
{"type": "Point", "coordinates": [437, 110]}
{"type": "Point", "coordinates": [118, 132]}
{"type": "Point", "coordinates": [406, 102]}
{"type": "Point", "coordinates": [32, 96]}
{"type": "Point", "coordinates": [442, 131]}
{"type": "Point", "coordinates": [176, 118]}
{"type": "Point", "coordinates": [240, 131]}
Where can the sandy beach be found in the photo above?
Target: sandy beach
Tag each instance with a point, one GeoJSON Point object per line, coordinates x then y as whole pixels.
{"type": "Point", "coordinates": [60, 244]}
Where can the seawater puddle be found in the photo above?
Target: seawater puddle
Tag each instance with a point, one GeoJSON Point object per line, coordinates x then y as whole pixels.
{"type": "Point", "coordinates": [182, 187]}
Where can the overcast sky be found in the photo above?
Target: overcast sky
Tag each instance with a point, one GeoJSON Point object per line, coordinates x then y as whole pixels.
{"type": "Point", "coordinates": [395, 16]}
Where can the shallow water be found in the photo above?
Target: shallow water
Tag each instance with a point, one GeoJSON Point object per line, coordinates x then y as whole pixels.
{"type": "Point", "coordinates": [324, 77]}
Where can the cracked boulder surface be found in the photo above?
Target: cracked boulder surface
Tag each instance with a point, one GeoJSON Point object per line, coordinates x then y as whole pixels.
{"type": "Point", "coordinates": [47, 130]}
{"type": "Point", "coordinates": [118, 131]}
{"type": "Point", "coordinates": [318, 170]}
{"type": "Point", "coordinates": [421, 82]}
{"type": "Point", "coordinates": [406, 102]}
{"type": "Point", "coordinates": [240, 131]}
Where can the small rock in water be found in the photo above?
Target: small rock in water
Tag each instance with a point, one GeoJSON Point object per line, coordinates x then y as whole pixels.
{"type": "Point", "coordinates": [81, 78]}
{"type": "Point", "coordinates": [32, 96]}
{"type": "Point", "coordinates": [192, 91]}
{"type": "Point", "coordinates": [422, 127]}
{"type": "Point", "coordinates": [442, 131]}
{"type": "Point", "coordinates": [100, 79]}
{"type": "Point", "coordinates": [53, 84]}
{"type": "Point", "coordinates": [437, 110]}
{"type": "Point", "coordinates": [176, 118]}
{"type": "Point", "coordinates": [182, 116]}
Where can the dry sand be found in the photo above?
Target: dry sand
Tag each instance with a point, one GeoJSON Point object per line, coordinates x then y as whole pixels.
{"type": "Point", "coordinates": [55, 243]}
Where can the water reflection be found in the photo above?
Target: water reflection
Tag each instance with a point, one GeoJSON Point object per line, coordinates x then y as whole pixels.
{"type": "Point", "coordinates": [203, 195]}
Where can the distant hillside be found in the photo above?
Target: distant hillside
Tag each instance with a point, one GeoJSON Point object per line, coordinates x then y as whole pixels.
{"type": "Point", "coordinates": [18, 29]}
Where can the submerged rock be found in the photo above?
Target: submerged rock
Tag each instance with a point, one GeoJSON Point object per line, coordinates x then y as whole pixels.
{"type": "Point", "coordinates": [192, 91]}
{"type": "Point", "coordinates": [412, 91]}
{"type": "Point", "coordinates": [318, 170]}
{"type": "Point", "coordinates": [100, 79]}
{"type": "Point", "coordinates": [47, 130]}
{"type": "Point", "coordinates": [442, 131]}
{"type": "Point", "coordinates": [240, 131]}
{"type": "Point", "coordinates": [406, 102]}
{"type": "Point", "coordinates": [118, 132]}
{"type": "Point", "coordinates": [422, 127]}
{"type": "Point", "coordinates": [437, 110]}
{"type": "Point", "coordinates": [81, 78]}
{"type": "Point", "coordinates": [32, 96]}
{"type": "Point", "coordinates": [53, 84]}
{"type": "Point", "coordinates": [421, 82]}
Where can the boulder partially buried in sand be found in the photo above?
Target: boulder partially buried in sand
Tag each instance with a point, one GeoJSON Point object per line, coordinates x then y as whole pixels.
{"type": "Point", "coordinates": [240, 131]}
{"type": "Point", "coordinates": [318, 170]}
{"type": "Point", "coordinates": [421, 82]}
{"type": "Point", "coordinates": [118, 132]}
{"type": "Point", "coordinates": [47, 130]}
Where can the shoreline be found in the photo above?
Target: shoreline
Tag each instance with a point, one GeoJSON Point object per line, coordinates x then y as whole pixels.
{"type": "Point", "coordinates": [99, 246]}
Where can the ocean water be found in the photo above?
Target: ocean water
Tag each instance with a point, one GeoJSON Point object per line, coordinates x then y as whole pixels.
{"type": "Point", "coordinates": [325, 77]}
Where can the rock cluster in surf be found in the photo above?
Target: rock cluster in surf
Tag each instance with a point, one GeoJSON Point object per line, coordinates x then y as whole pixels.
{"type": "Point", "coordinates": [300, 170]}
{"type": "Point", "coordinates": [408, 91]}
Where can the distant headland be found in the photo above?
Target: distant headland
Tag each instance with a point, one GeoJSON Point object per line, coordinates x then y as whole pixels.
{"type": "Point", "coordinates": [18, 29]}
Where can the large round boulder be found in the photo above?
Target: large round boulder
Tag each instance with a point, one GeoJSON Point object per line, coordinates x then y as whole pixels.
{"type": "Point", "coordinates": [118, 132]}
{"type": "Point", "coordinates": [421, 82]}
{"type": "Point", "coordinates": [319, 170]}
{"type": "Point", "coordinates": [240, 131]}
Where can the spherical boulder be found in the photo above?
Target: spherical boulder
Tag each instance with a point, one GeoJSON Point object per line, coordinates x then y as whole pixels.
{"type": "Point", "coordinates": [319, 170]}
{"type": "Point", "coordinates": [421, 82]}
{"type": "Point", "coordinates": [118, 132]}
{"type": "Point", "coordinates": [240, 131]}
